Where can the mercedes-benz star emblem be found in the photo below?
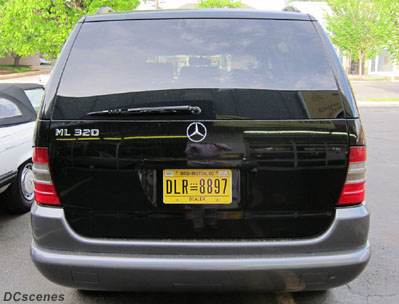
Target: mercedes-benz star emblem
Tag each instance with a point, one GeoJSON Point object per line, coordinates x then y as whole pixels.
{"type": "Point", "coordinates": [196, 132]}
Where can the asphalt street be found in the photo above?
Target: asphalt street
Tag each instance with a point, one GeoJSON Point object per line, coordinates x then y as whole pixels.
{"type": "Point", "coordinates": [377, 284]}
{"type": "Point", "coordinates": [375, 89]}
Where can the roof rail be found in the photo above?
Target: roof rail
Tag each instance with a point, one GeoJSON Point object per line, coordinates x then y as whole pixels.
{"type": "Point", "coordinates": [291, 9]}
{"type": "Point", "coordinates": [104, 10]}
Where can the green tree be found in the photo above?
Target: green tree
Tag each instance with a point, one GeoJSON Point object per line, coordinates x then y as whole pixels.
{"type": "Point", "coordinates": [219, 3]}
{"type": "Point", "coordinates": [18, 30]}
{"type": "Point", "coordinates": [31, 26]}
{"type": "Point", "coordinates": [391, 10]}
{"type": "Point", "coordinates": [358, 28]}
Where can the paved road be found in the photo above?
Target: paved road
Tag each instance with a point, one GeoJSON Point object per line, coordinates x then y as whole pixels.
{"type": "Point", "coordinates": [375, 89]}
{"type": "Point", "coordinates": [377, 284]}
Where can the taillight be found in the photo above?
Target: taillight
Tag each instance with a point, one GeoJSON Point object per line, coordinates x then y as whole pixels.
{"type": "Point", "coordinates": [44, 189]}
{"type": "Point", "coordinates": [353, 192]}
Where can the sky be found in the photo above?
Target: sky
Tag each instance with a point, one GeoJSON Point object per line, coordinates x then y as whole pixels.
{"type": "Point", "coordinates": [316, 9]}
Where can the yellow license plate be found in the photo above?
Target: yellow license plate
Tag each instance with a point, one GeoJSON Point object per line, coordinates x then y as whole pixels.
{"type": "Point", "coordinates": [197, 186]}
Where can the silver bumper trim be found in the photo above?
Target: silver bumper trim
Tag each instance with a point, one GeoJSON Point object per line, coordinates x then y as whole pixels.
{"type": "Point", "coordinates": [349, 231]}
{"type": "Point", "coordinates": [170, 273]}
{"type": "Point", "coordinates": [329, 260]}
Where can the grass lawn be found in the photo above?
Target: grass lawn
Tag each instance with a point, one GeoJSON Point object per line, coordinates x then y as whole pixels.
{"type": "Point", "coordinates": [382, 99]}
{"type": "Point", "coordinates": [368, 78]}
{"type": "Point", "coordinates": [8, 69]}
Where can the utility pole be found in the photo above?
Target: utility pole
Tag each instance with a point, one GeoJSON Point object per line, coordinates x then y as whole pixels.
{"type": "Point", "coordinates": [156, 4]}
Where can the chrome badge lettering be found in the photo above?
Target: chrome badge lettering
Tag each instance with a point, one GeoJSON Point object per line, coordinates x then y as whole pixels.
{"type": "Point", "coordinates": [62, 132]}
{"type": "Point", "coordinates": [78, 132]}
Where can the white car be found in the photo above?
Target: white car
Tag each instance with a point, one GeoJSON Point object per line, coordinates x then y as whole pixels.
{"type": "Point", "coordinates": [18, 105]}
{"type": "Point", "coordinates": [44, 61]}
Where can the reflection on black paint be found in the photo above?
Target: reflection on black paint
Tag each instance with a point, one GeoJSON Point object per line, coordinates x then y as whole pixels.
{"type": "Point", "coordinates": [287, 176]}
{"type": "Point", "coordinates": [226, 104]}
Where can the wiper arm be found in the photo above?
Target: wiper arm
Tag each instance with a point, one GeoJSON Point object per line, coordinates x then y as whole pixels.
{"type": "Point", "coordinates": [150, 110]}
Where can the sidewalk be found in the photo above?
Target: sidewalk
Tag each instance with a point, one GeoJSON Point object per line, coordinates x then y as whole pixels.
{"type": "Point", "coordinates": [35, 78]}
{"type": "Point", "coordinates": [363, 78]}
{"type": "Point", "coordinates": [362, 103]}
{"type": "Point", "coordinates": [31, 76]}
{"type": "Point", "coordinates": [18, 75]}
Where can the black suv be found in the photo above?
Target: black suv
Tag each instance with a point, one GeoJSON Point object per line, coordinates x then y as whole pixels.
{"type": "Point", "coordinates": [199, 149]}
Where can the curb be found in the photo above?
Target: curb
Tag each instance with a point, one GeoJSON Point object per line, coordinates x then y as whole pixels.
{"type": "Point", "coordinates": [363, 103]}
{"type": "Point", "coordinates": [24, 74]}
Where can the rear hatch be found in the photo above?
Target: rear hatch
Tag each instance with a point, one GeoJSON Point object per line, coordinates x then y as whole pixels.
{"type": "Point", "coordinates": [266, 157]}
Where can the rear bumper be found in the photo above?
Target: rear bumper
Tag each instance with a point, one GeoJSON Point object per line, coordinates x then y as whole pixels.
{"type": "Point", "coordinates": [329, 260]}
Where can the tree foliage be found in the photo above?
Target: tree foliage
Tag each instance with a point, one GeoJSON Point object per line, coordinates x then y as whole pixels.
{"type": "Point", "coordinates": [391, 10]}
{"type": "Point", "coordinates": [31, 26]}
{"type": "Point", "coordinates": [18, 30]}
{"type": "Point", "coordinates": [358, 27]}
{"type": "Point", "coordinates": [219, 3]}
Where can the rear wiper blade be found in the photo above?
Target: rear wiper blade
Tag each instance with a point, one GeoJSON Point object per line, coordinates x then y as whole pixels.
{"type": "Point", "coordinates": [150, 110]}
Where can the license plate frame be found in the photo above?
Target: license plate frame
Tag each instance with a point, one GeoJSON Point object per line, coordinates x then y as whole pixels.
{"type": "Point", "coordinates": [194, 191]}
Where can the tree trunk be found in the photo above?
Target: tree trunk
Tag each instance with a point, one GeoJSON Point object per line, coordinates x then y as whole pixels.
{"type": "Point", "coordinates": [348, 69]}
{"type": "Point", "coordinates": [360, 66]}
{"type": "Point", "coordinates": [16, 60]}
{"type": "Point", "coordinates": [361, 59]}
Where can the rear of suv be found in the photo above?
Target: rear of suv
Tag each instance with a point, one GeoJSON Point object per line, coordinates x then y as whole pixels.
{"type": "Point", "coordinates": [203, 149]}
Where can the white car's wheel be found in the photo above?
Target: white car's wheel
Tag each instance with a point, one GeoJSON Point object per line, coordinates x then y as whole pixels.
{"type": "Point", "coordinates": [21, 192]}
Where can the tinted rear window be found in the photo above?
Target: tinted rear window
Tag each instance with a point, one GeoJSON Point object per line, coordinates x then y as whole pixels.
{"type": "Point", "coordinates": [256, 64]}
{"type": "Point", "coordinates": [35, 96]}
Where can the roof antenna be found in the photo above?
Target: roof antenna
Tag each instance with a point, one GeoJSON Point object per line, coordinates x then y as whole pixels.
{"type": "Point", "coordinates": [104, 10]}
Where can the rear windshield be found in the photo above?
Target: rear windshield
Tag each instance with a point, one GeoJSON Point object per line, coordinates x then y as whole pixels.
{"type": "Point", "coordinates": [240, 63]}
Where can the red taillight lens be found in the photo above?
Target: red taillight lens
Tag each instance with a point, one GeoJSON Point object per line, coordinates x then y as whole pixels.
{"type": "Point", "coordinates": [44, 189]}
{"type": "Point", "coordinates": [353, 192]}
{"type": "Point", "coordinates": [357, 154]}
{"type": "Point", "coordinates": [45, 194]}
{"type": "Point", "coordinates": [40, 155]}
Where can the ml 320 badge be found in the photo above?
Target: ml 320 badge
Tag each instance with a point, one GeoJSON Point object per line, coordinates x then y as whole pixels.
{"type": "Point", "coordinates": [77, 132]}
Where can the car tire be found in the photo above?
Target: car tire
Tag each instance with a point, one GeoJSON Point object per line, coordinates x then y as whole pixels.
{"type": "Point", "coordinates": [20, 194]}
